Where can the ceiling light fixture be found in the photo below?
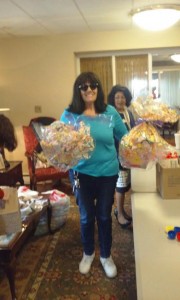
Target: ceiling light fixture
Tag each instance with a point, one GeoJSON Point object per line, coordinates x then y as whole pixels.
{"type": "Point", "coordinates": [156, 17]}
{"type": "Point", "coordinates": [176, 57]}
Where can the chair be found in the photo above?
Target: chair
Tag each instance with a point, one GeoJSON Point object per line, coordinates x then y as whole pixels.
{"type": "Point", "coordinates": [31, 146]}
{"type": "Point", "coordinates": [170, 127]}
{"type": "Point", "coordinates": [167, 128]}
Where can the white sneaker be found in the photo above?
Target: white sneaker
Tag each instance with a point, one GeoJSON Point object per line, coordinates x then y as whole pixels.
{"type": "Point", "coordinates": [109, 266]}
{"type": "Point", "coordinates": [85, 264]}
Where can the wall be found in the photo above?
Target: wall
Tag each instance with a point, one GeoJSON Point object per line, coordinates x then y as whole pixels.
{"type": "Point", "coordinates": [41, 71]}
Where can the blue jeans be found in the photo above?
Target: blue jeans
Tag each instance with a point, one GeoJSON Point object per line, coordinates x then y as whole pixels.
{"type": "Point", "coordinates": [95, 198]}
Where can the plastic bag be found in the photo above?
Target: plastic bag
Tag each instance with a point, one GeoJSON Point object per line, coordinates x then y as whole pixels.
{"type": "Point", "coordinates": [60, 203]}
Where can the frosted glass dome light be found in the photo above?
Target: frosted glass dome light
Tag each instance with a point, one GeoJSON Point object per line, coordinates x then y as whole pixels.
{"type": "Point", "coordinates": [176, 57]}
{"type": "Point", "coordinates": [156, 17]}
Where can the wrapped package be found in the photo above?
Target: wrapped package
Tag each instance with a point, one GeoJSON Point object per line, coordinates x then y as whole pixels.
{"type": "Point", "coordinates": [143, 146]}
{"type": "Point", "coordinates": [64, 145]}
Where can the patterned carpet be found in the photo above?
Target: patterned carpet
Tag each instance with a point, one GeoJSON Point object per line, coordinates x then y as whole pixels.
{"type": "Point", "coordinates": [47, 266]}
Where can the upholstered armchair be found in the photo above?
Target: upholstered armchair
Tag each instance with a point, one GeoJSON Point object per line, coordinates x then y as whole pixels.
{"type": "Point", "coordinates": [43, 173]}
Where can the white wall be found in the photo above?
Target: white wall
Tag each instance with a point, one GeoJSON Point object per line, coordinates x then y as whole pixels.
{"type": "Point", "coordinates": [41, 71]}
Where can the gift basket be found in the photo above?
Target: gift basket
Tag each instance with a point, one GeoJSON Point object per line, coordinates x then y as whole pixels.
{"type": "Point", "coordinates": [155, 111]}
{"type": "Point", "coordinates": [143, 146]}
{"type": "Point", "coordinates": [64, 145]}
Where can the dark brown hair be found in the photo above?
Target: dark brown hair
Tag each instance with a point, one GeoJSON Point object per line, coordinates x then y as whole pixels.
{"type": "Point", "coordinates": [77, 104]}
{"type": "Point", "coordinates": [7, 134]}
{"type": "Point", "coordinates": [118, 88]}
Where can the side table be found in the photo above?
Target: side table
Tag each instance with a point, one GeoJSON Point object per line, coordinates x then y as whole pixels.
{"type": "Point", "coordinates": [12, 175]}
{"type": "Point", "coordinates": [9, 252]}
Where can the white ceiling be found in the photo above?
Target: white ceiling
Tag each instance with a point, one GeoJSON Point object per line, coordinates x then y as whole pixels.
{"type": "Point", "coordinates": [44, 17]}
{"type": "Point", "coordinates": [52, 17]}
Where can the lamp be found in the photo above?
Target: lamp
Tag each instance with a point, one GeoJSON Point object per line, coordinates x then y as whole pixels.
{"type": "Point", "coordinates": [156, 17]}
{"type": "Point", "coordinates": [4, 109]}
{"type": "Point", "coordinates": [176, 57]}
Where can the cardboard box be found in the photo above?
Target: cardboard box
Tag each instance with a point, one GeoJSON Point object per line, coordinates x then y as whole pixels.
{"type": "Point", "coordinates": [168, 181]}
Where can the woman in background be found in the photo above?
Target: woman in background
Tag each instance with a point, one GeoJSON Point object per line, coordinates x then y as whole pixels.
{"type": "Point", "coordinates": [120, 97]}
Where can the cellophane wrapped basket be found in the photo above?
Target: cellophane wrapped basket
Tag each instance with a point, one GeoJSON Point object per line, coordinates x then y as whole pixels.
{"type": "Point", "coordinates": [143, 146]}
{"type": "Point", "coordinates": [154, 110]}
{"type": "Point", "coordinates": [64, 145]}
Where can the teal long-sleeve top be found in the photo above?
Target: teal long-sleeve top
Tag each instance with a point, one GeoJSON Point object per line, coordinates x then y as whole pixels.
{"type": "Point", "coordinates": [103, 128]}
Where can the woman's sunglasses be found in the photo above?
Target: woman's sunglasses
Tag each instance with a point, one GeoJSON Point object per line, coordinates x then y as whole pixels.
{"type": "Point", "coordinates": [84, 87]}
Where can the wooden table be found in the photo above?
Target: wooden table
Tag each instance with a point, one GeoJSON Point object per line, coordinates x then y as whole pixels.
{"type": "Point", "coordinates": [157, 258]}
{"type": "Point", "coordinates": [9, 252]}
{"type": "Point", "coordinates": [12, 175]}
